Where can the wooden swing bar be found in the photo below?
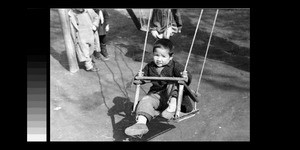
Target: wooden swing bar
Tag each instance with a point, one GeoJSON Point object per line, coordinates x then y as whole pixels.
{"type": "Point", "coordinates": [182, 81]}
{"type": "Point", "coordinates": [175, 79]}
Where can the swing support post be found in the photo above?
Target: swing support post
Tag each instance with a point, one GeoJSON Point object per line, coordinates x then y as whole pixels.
{"type": "Point", "coordinates": [70, 49]}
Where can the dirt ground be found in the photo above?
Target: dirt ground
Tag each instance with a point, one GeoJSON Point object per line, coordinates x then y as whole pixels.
{"type": "Point", "coordinates": [95, 106]}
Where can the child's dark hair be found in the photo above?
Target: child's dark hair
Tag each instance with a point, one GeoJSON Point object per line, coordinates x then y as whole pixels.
{"type": "Point", "coordinates": [164, 43]}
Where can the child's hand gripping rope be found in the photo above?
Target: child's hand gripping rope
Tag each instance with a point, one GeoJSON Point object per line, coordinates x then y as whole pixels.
{"type": "Point", "coordinates": [184, 75]}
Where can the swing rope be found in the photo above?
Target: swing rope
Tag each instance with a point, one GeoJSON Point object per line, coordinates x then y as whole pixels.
{"type": "Point", "coordinates": [187, 61]}
{"type": "Point", "coordinates": [207, 51]}
{"type": "Point", "coordinates": [145, 43]}
{"type": "Point", "coordinates": [140, 73]}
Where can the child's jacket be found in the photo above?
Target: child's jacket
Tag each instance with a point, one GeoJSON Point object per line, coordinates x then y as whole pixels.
{"type": "Point", "coordinates": [82, 32]}
{"type": "Point", "coordinates": [172, 69]}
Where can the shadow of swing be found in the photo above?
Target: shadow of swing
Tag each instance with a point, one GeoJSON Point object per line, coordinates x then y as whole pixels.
{"type": "Point", "coordinates": [122, 107]}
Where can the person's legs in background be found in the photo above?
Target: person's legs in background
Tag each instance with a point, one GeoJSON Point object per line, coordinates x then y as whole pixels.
{"type": "Point", "coordinates": [103, 41]}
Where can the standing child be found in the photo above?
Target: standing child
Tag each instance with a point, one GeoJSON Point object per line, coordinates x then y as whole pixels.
{"type": "Point", "coordinates": [102, 31]}
{"type": "Point", "coordinates": [162, 95]}
{"type": "Point", "coordinates": [84, 23]}
{"type": "Point", "coordinates": [165, 22]}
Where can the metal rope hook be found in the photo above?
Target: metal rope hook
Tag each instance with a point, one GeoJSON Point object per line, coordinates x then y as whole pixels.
{"type": "Point", "coordinates": [140, 73]}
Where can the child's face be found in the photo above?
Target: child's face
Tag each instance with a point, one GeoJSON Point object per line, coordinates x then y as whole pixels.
{"type": "Point", "coordinates": [161, 57]}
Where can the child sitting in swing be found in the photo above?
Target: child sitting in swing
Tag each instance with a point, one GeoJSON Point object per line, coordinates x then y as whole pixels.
{"type": "Point", "coordinates": [162, 95]}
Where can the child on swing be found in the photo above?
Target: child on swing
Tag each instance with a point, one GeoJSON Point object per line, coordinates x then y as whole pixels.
{"type": "Point", "coordinates": [162, 95]}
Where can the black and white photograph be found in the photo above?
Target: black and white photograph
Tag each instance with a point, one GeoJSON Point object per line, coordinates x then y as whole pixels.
{"type": "Point", "coordinates": [149, 74]}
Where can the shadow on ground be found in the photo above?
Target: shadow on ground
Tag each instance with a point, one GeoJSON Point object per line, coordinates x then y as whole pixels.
{"type": "Point", "coordinates": [122, 107]}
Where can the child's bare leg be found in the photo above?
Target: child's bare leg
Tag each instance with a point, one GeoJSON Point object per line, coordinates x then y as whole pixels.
{"type": "Point", "coordinates": [170, 111]}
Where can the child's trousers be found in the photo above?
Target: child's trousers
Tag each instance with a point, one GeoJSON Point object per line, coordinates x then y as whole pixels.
{"type": "Point", "coordinates": [150, 105]}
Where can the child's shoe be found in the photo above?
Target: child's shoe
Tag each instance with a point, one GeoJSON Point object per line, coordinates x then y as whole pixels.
{"type": "Point", "coordinates": [97, 55]}
{"type": "Point", "coordinates": [137, 129]}
{"type": "Point", "coordinates": [94, 69]}
{"type": "Point", "coordinates": [106, 57]}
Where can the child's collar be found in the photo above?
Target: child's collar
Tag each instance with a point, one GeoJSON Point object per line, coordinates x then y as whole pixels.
{"type": "Point", "coordinates": [168, 64]}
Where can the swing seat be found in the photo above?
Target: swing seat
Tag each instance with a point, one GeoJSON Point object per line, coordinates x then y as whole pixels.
{"type": "Point", "coordinates": [183, 116]}
{"type": "Point", "coordinates": [187, 109]}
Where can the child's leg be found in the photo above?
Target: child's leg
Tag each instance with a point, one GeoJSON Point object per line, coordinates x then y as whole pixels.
{"type": "Point", "coordinates": [85, 49]}
{"type": "Point", "coordinates": [88, 64]}
{"type": "Point", "coordinates": [169, 112]}
{"type": "Point", "coordinates": [88, 61]}
{"type": "Point", "coordinates": [171, 88]}
{"type": "Point", "coordinates": [97, 51]}
{"type": "Point", "coordinates": [147, 106]}
{"type": "Point", "coordinates": [145, 112]}
{"type": "Point", "coordinates": [102, 39]}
